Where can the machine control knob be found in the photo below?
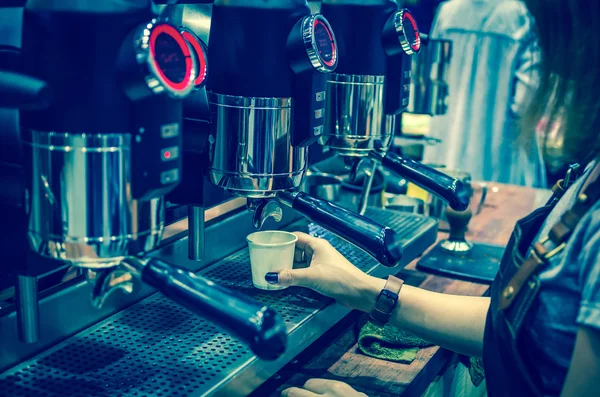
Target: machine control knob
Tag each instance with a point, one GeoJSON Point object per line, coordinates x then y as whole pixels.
{"type": "Point", "coordinates": [199, 51]}
{"type": "Point", "coordinates": [401, 33]}
{"type": "Point", "coordinates": [157, 59]}
{"type": "Point", "coordinates": [315, 47]}
{"type": "Point", "coordinates": [319, 42]}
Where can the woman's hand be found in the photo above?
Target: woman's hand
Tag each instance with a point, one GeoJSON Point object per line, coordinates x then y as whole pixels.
{"type": "Point", "coordinates": [321, 267]}
{"type": "Point", "coordinates": [322, 387]}
{"type": "Point", "coordinates": [438, 318]}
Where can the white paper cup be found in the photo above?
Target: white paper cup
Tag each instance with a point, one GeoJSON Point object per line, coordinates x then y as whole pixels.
{"type": "Point", "coordinates": [270, 251]}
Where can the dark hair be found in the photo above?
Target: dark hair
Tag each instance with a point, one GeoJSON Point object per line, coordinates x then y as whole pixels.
{"type": "Point", "coordinates": [569, 92]}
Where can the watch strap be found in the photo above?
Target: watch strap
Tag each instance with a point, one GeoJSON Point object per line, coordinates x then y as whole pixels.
{"type": "Point", "coordinates": [386, 301]}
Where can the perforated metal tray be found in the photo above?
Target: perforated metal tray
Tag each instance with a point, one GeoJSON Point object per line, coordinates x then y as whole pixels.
{"type": "Point", "coordinates": [157, 348]}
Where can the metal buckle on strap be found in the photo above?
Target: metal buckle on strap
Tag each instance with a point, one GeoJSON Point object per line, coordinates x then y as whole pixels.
{"type": "Point", "coordinates": [571, 175]}
{"type": "Point", "coordinates": [541, 252]}
{"type": "Point", "coordinates": [539, 257]}
{"type": "Point", "coordinates": [561, 186]}
{"type": "Point", "coordinates": [558, 189]}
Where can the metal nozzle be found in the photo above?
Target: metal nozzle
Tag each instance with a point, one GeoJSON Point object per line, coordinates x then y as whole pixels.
{"type": "Point", "coordinates": [264, 209]}
{"type": "Point", "coordinates": [196, 229]}
{"type": "Point", "coordinates": [28, 316]}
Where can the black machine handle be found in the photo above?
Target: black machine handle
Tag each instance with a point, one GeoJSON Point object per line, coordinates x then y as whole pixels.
{"type": "Point", "coordinates": [19, 91]}
{"type": "Point", "coordinates": [379, 241]}
{"type": "Point", "coordinates": [449, 189]}
{"type": "Point", "coordinates": [255, 324]}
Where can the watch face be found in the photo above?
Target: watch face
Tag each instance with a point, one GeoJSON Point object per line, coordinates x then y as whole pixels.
{"type": "Point", "coordinates": [388, 298]}
{"type": "Point", "coordinates": [385, 304]}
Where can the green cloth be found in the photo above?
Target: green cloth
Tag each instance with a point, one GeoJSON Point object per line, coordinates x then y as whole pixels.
{"type": "Point", "coordinates": [389, 343]}
{"type": "Point", "coordinates": [476, 370]}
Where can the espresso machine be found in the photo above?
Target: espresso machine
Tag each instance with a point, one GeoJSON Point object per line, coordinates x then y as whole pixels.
{"type": "Point", "coordinates": [99, 93]}
{"type": "Point", "coordinates": [243, 144]}
{"type": "Point", "coordinates": [371, 88]}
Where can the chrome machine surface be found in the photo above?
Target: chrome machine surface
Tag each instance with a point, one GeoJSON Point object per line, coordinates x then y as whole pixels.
{"type": "Point", "coordinates": [82, 208]}
{"type": "Point", "coordinates": [429, 86]}
{"type": "Point", "coordinates": [359, 120]}
{"type": "Point", "coordinates": [356, 123]}
{"type": "Point", "coordinates": [253, 153]}
{"type": "Point", "coordinates": [141, 343]}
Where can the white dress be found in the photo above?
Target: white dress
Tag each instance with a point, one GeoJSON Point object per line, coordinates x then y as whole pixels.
{"type": "Point", "coordinates": [493, 70]}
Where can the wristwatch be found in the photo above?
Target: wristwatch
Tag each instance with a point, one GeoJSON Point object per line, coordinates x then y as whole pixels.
{"type": "Point", "coordinates": [386, 301]}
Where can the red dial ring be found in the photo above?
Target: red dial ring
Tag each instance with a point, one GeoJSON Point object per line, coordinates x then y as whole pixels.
{"type": "Point", "coordinates": [201, 55]}
{"type": "Point", "coordinates": [175, 35]}
{"type": "Point", "coordinates": [416, 45]}
{"type": "Point", "coordinates": [333, 60]}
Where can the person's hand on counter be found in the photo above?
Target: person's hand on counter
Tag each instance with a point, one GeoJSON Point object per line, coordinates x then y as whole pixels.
{"type": "Point", "coordinates": [320, 267]}
{"type": "Point", "coordinates": [324, 388]}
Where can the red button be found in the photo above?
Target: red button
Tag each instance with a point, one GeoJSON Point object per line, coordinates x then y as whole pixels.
{"type": "Point", "coordinates": [170, 153]}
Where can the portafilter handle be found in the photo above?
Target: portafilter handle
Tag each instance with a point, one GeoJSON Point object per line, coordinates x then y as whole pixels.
{"type": "Point", "coordinates": [253, 323]}
{"type": "Point", "coordinates": [449, 189]}
{"type": "Point", "coordinates": [379, 241]}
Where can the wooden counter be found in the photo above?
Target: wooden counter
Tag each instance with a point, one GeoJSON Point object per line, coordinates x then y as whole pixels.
{"type": "Point", "coordinates": [335, 355]}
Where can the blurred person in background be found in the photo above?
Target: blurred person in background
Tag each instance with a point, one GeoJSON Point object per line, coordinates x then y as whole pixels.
{"type": "Point", "coordinates": [494, 68]}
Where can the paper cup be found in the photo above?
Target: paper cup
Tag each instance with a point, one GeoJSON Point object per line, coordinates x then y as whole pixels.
{"type": "Point", "coordinates": [270, 251]}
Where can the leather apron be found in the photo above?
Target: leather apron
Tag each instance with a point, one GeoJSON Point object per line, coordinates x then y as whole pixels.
{"type": "Point", "coordinates": [506, 372]}
{"type": "Point", "coordinates": [514, 289]}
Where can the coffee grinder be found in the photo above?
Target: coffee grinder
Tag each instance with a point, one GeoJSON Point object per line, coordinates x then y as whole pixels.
{"type": "Point", "coordinates": [100, 92]}
{"type": "Point", "coordinates": [370, 89]}
{"type": "Point", "coordinates": [267, 103]}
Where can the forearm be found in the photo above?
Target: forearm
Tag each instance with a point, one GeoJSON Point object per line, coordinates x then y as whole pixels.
{"type": "Point", "coordinates": [451, 321]}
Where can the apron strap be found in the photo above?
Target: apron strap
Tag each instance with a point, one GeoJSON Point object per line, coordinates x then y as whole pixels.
{"type": "Point", "coordinates": [562, 185]}
{"type": "Point", "coordinates": [559, 234]}
{"type": "Point", "coordinates": [590, 193]}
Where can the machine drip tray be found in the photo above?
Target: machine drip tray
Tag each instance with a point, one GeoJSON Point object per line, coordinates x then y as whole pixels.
{"type": "Point", "coordinates": [158, 348]}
